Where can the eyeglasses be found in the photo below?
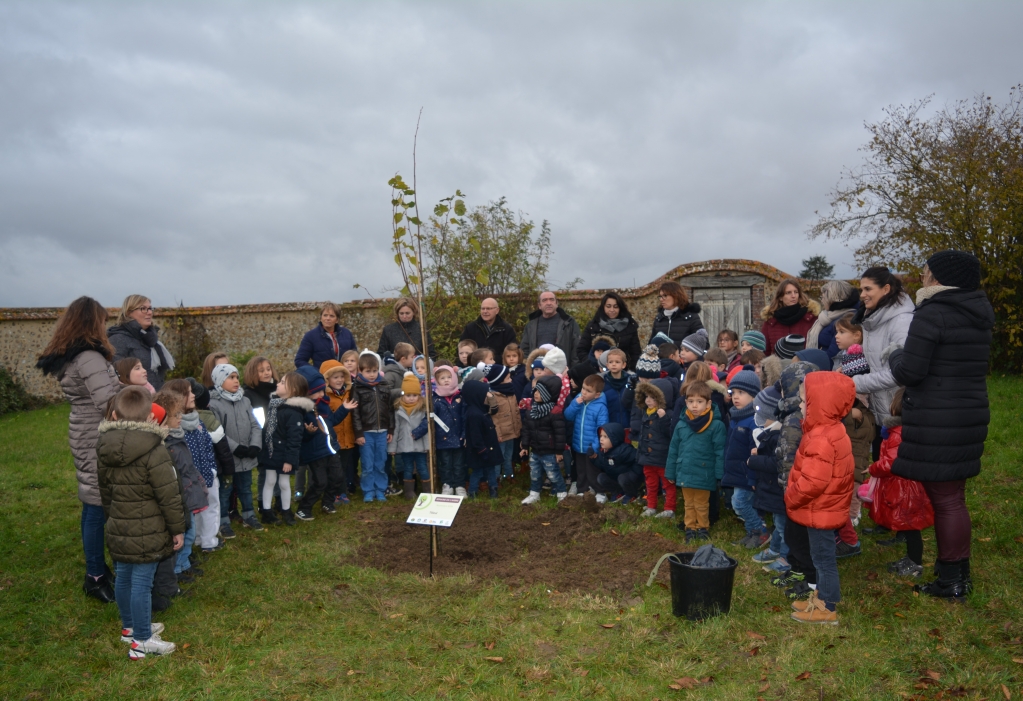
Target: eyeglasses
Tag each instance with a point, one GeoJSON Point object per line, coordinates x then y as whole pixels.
{"type": "Point", "coordinates": [144, 310]}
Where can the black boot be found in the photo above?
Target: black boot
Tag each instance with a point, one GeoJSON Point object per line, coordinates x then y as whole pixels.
{"type": "Point", "coordinates": [99, 589]}
{"type": "Point", "coordinates": [964, 572]}
{"type": "Point", "coordinates": [949, 584]}
{"type": "Point", "coordinates": [111, 577]}
{"type": "Point", "coordinates": [268, 517]}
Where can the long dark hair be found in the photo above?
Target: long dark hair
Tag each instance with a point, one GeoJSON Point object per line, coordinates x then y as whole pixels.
{"type": "Point", "coordinates": [883, 276]}
{"type": "Point", "coordinates": [623, 308]}
{"type": "Point", "coordinates": [83, 322]}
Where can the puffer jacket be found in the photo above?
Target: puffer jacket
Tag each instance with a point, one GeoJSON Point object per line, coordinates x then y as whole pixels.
{"type": "Point", "coordinates": [546, 435]}
{"type": "Point", "coordinates": [717, 398]}
{"type": "Point", "coordinates": [774, 330]}
{"type": "Point", "coordinates": [88, 381]}
{"type": "Point", "coordinates": [696, 460]}
{"type": "Point", "coordinates": [944, 367]}
{"type": "Point", "coordinates": [861, 434]}
{"type": "Point", "coordinates": [343, 431]}
{"type": "Point", "coordinates": [737, 451]}
{"type": "Point", "coordinates": [882, 328]}
{"type": "Point", "coordinates": [586, 418]}
{"type": "Point", "coordinates": [240, 428]}
{"type": "Point", "coordinates": [790, 418]}
{"type": "Point", "coordinates": [140, 492]}
{"type": "Point", "coordinates": [323, 442]}
{"type": "Point", "coordinates": [654, 432]}
{"type": "Point", "coordinates": [410, 431]}
{"type": "Point", "coordinates": [507, 419]}
{"type": "Point", "coordinates": [820, 485]}
{"type": "Point", "coordinates": [130, 341]}
{"type": "Point", "coordinates": [669, 388]}
{"type": "Point", "coordinates": [619, 402]}
{"type": "Point", "coordinates": [194, 494]}
{"type": "Point", "coordinates": [682, 323]}
{"type": "Point", "coordinates": [284, 445]}
{"type": "Point", "coordinates": [399, 332]}
{"type": "Point", "coordinates": [316, 345]}
{"type": "Point", "coordinates": [451, 411]}
{"type": "Point", "coordinates": [375, 411]}
{"type": "Point", "coordinates": [899, 504]}
{"type": "Point", "coordinates": [621, 458]}
{"type": "Point", "coordinates": [768, 495]}
{"type": "Point", "coordinates": [482, 449]}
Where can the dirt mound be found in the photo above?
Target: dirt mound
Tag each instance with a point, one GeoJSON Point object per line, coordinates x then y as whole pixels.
{"type": "Point", "coordinates": [566, 548]}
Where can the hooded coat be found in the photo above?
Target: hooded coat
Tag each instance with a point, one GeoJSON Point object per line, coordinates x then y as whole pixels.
{"type": "Point", "coordinates": [774, 330]}
{"type": "Point", "coordinates": [790, 417]}
{"type": "Point", "coordinates": [567, 338]}
{"type": "Point", "coordinates": [586, 418]}
{"type": "Point", "coordinates": [483, 450]}
{"type": "Point", "coordinates": [899, 504]}
{"type": "Point", "coordinates": [546, 435]}
{"type": "Point", "coordinates": [140, 492]}
{"type": "Point", "coordinates": [697, 460]}
{"type": "Point", "coordinates": [627, 338]}
{"type": "Point", "coordinates": [620, 402]}
{"type": "Point", "coordinates": [654, 432]}
{"type": "Point", "coordinates": [451, 411]}
{"type": "Point", "coordinates": [88, 381]}
{"type": "Point", "coordinates": [820, 485]}
{"type": "Point", "coordinates": [410, 430]}
{"type": "Point", "coordinates": [621, 458]}
{"type": "Point", "coordinates": [684, 322]}
{"type": "Point", "coordinates": [739, 445]}
{"type": "Point", "coordinates": [882, 328]}
{"type": "Point", "coordinates": [944, 366]}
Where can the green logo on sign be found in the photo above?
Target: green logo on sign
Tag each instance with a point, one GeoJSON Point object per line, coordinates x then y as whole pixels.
{"type": "Point", "coordinates": [424, 501]}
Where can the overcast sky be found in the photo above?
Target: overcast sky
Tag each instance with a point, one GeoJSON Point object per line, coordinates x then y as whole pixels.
{"type": "Point", "coordinates": [223, 153]}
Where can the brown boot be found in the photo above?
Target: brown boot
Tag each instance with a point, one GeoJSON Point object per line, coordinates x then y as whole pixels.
{"type": "Point", "coordinates": [410, 489]}
{"type": "Point", "coordinates": [426, 487]}
{"type": "Point", "coordinates": [816, 612]}
{"type": "Point", "coordinates": [806, 604]}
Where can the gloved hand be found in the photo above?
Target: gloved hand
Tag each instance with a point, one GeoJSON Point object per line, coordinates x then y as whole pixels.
{"type": "Point", "coordinates": [254, 451]}
{"type": "Point", "coordinates": [242, 451]}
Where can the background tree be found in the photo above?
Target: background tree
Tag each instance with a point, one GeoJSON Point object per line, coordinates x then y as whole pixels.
{"type": "Point", "coordinates": [817, 268]}
{"type": "Point", "coordinates": [953, 179]}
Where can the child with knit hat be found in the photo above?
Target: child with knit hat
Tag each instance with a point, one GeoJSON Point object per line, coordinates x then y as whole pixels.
{"type": "Point", "coordinates": [320, 448]}
{"type": "Point", "coordinates": [694, 347]}
{"type": "Point", "coordinates": [373, 422]}
{"type": "Point", "coordinates": [411, 441]}
{"type": "Point", "coordinates": [506, 417]}
{"type": "Point", "coordinates": [449, 438]}
{"type": "Point", "coordinates": [743, 390]}
{"type": "Point", "coordinates": [543, 434]}
{"type": "Point", "coordinates": [769, 497]}
{"type": "Point", "coordinates": [339, 392]}
{"type": "Point", "coordinates": [750, 340]}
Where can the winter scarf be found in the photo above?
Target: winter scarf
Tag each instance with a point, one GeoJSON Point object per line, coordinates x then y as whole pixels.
{"type": "Point", "coordinates": [190, 421]}
{"type": "Point", "coordinates": [787, 316]}
{"type": "Point", "coordinates": [221, 373]}
{"type": "Point", "coordinates": [740, 414]}
{"type": "Point", "coordinates": [614, 325]}
{"type": "Point", "coordinates": [271, 423]}
{"type": "Point", "coordinates": [699, 423]}
{"type": "Point", "coordinates": [374, 383]}
{"type": "Point", "coordinates": [445, 391]}
{"type": "Point", "coordinates": [159, 355]}
{"type": "Point", "coordinates": [53, 364]}
{"type": "Point", "coordinates": [176, 432]}
{"type": "Point", "coordinates": [541, 409]}
{"type": "Point", "coordinates": [617, 384]}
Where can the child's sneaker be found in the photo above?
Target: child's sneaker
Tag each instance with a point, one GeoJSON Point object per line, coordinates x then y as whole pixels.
{"type": "Point", "coordinates": [226, 532]}
{"type": "Point", "coordinates": [648, 512]}
{"type": "Point", "coordinates": [153, 646]}
{"type": "Point", "coordinates": [250, 521]}
{"type": "Point", "coordinates": [126, 633]}
{"type": "Point", "coordinates": [799, 590]}
{"type": "Point", "coordinates": [601, 498]}
{"type": "Point", "coordinates": [625, 500]}
{"type": "Point", "coordinates": [779, 566]}
{"type": "Point", "coordinates": [667, 513]}
{"type": "Point", "coordinates": [843, 549]}
{"type": "Point", "coordinates": [690, 535]}
{"type": "Point", "coordinates": [573, 490]}
{"type": "Point", "coordinates": [328, 509]}
{"type": "Point", "coordinates": [460, 492]}
{"type": "Point", "coordinates": [905, 568]}
{"type": "Point", "coordinates": [532, 498]}
{"type": "Point", "coordinates": [303, 515]}
{"type": "Point", "coordinates": [702, 534]}
{"type": "Point", "coordinates": [788, 579]}
{"type": "Point", "coordinates": [765, 556]}
{"type": "Point", "coordinates": [562, 495]}
{"type": "Point", "coordinates": [815, 611]}
{"type": "Point", "coordinates": [215, 548]}
{"type": "Point", "coordinates": [446, 490]}
{"type": "Point", "coordinates": [342, 500]}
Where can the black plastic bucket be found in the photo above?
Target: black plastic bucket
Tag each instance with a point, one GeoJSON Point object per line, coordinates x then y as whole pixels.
{"type": "Point", "coordinates": [699, 593]}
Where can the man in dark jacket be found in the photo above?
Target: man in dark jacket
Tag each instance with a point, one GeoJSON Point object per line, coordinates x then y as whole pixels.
{"type": "Point", "coordinates": [489, 330]}
{"type": "Point", "coordinates": [945, 412]}
{"type": "Point", "coordinates": [550, 324]}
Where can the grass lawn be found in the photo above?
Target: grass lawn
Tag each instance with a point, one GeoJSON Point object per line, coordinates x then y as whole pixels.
{"type": "Point", "coordinates": [287, 614]}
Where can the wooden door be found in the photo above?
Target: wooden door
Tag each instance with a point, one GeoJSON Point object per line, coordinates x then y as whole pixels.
{"type": "Point", "coordinates": [724, 308]}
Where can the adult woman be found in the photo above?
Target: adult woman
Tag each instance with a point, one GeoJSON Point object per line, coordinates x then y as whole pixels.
{"type": "Point", "coordinates": [79, 355]}
{"type": "Point", "coordinates": [134, 335]}
{"type": "Point", "coordinates": [837, 298]}
{"type": "Point", "coordinates": [945, 411]}
{"type": "Point", "coordinates": [885, 314]}
{"type": "Point", "coordinates": [676, 316]}
{"type": "Point", "coordinates": [328, 340]}
{"type": "Point", "coordinates": [791, 312]}
{"type": "Point", "coordinates": [405, 330]}
{"type": "Point", "coordinates": [612, 319]}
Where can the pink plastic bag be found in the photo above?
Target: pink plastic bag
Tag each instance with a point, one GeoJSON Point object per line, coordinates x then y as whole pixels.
{"type": "Point", "coordinates": [866, 490]}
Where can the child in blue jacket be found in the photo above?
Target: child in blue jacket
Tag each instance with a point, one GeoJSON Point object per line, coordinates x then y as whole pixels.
{"type": "Point", "coordinates": [743, 389]}
{"type": "Point", "coordinates": [587, 413]}
{"type": "Point", "coordinates": [482, 449]}
{"type": "Point", "coordinates": [450, 443]}
{"type": "Point", "coordinates": [618, 470]}
{"type": "Point", "coordinates": [769, 497]}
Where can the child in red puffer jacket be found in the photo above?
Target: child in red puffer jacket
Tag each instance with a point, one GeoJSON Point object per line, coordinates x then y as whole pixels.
{"type": "Point", "coordinates": [900, 504]}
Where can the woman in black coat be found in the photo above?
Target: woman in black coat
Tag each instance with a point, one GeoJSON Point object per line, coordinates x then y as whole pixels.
{"type": "Point", "coordinates": [677, 317]}
{"type": "Point", "coordinates": [612, 319]}
{"type": "Point", "coordinates": [134, 335]}
{"type": "Point", "coordinates": [405, 329]}
{"type": "Point", "coordinates": [945, 411]}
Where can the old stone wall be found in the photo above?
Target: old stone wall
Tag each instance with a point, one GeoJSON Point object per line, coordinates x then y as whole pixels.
{"type": "Point", "coordinates": [275, 330]}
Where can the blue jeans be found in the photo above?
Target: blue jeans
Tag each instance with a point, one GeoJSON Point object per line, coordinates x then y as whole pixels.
{"type": "Point", "coordinates": [93, 519]}
{"type": "Point", "coordinates": [374, 459]}
{"type": "Point", "coordinates": [742, 502]}
{"type": "Point", "coordinates": [182, 563]}
{"type": "Point", "coordinates": [451, 467]}
{"type": "Point", "coordinates": [241, 484]}
{"type": "Point", "coordinates": [480, 474]}
{"type": "Point", "coordinates": [539, 465]}
{"type": "Point", "coordinates": [508, 453]}
{"type": "Point", "coordinates": [412, 463]}
{"type": "Point", "coordinates": [134, 593]}
{"type": "Point", "coordinates": [778, 544]}
{"type": "Point", "coordinates": [822, 552]}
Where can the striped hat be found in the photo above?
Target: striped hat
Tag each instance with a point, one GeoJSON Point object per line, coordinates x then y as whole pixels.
{"type": "Point", "coordinates": [755, 339]}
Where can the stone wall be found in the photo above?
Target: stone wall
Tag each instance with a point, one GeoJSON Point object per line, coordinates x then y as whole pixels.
{"type": "Point", "coordinates": [275, 330]}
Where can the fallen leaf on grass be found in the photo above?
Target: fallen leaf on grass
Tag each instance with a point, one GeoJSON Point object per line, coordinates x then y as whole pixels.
{"type": "Point", "coordinates": [802, 676]}
{"type": "Point", "coordinates": [1019, 539]}
{"type": "Point", "coordinates": [871, 576]}
{"type": "Point", "coordinates": [1005, 692]}
{"type": "Point", "coordinates": [662, 585]}
{"type": "Point", "coordinates": [687, 683]}
{"type": "Point", "coordinates": [614, 532]}
{"type": "Point", "coordinates": [776, 609]}
{"type": "Point", "coordinates": [984, 540]}
{"type": "Point", "coordinates": [446, 645]}
{"type": "Point", "coordinates": [899, 615]}
{"type": "Point", "coordinates": [934, 633]}
{"type": "Point", "coordinates": [545, 524]}
{"type": "Point", "coordinates": [753, 652]}
{"type": "Point", "coordinates": [932, 674]}
{"type": "Point", "coordinates": [661, 535]}
{"type": "Point", "coordinates": [355, 671]}
{"type": "Point", "coordinates": [1018, 660]}
{"type": "Point", "coordinates": [396, 615]}
{"type": "Point", "coordinates": [764, 688]}
{"type": "Point", "coordinates": [756, 636]}
{"type": "Point", "coordinates": [469, 645]}
{"type": "Point", "coordinates": [608, 625]}
{"type": "Point", "coordinates": [494, 659]}
{"type": "Point", "coordinates": [186, 646]}
{"type": "Point", "coordinates": [286, 541]}
{"type": "Point", "coordinates": [489, 646]}
{"type": "Point", "coordinates": [582, 672]}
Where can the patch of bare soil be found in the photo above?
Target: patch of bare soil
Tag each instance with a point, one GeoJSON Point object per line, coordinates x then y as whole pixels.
{"type": "Point", "coordinates": [565, 548]}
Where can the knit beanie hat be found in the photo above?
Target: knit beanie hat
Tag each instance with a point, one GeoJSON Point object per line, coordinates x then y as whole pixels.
{"type": "Point", "coordinates": [649, 364]}
{"type": "Point", "coordinates": [555, 361]}
{"type": "Point", "coordinates": [493, 374]}
{"type": "Point", "coordinates": [854, 362]}
{"type": "Point", "coordinates": [697, 342]}
{"type": "Point", "coordinates": [409, 384]}
{"type": "Point", "coordinates": [537, 363]}
{"type": "Point", "coordinates": [367, 351]}
{"type": "Point", "coordinates": [469, 373]}
{"type": "Point", "coordinates": [202, 395]}
{"type": "Point", "coordinates": [661, 338]}
{"type": "Point", "coordinates": [316, 382]}
{"type": "Point", "coordinates": [787, 347]}
{"type": "Point", "coordinates": [767, 405]}
{"type": "Point", "coordinates": [221, 373]}
{"type": "Point", "coordinates": [746, 380]}
{"type": "Point", "coordinates": [955, 269]}
{"type": "Point", "coordinates": [755, 339]}
{"type": "Point", "coordinates": [549, 387]}
{"type": "Point", "coordinates": [333, 367]}
{"type": "Point", "coordinates": [815, 356]}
